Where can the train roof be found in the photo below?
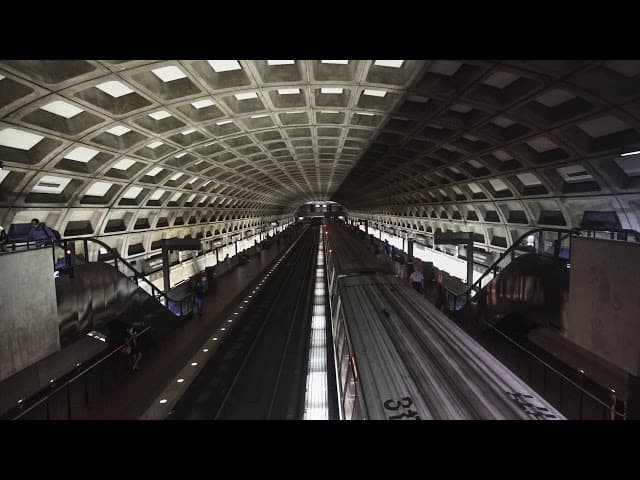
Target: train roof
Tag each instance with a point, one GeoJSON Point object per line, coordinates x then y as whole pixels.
{"type": "Point", "coordinates": [405, 348]}
{"type": "Point", "coordinates": [349, 255]}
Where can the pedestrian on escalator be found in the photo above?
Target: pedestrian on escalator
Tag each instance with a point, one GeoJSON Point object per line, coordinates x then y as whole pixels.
{"type": "Point", "coordinates": [41, 234]}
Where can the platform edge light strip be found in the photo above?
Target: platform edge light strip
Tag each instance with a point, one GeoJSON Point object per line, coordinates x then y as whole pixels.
{"type": "Point", "coordinates": [316, 403]}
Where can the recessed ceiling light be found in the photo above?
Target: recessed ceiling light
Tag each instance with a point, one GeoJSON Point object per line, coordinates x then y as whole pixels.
{"type": "Point", "coordinates": [159, 115]}
{"type": "Point", "coordinates": [98, 189]}
{"type": "Point", "coordinates": [114, 88]}
{"type": "Point", "coordinates": [336, 62]}
{"type": "Point", "coordinates": [637, 152]}
{"type": "Point", "coordinates": [51, 184]}
{"type": "Point", "coordinates": [164, 400]}
{"type": "Point", "coordinates": [365, 113]}
{"type": "Point", "coordinates": [187, 132]}
{"type": "Point", "coordinates": [194, 179]}
{"type": "Point", "coordinates": [205, 350]}
{"type": "Point", "coordinates": [12, 138]}
{"type": "Point", "coordinates": [259, 116]}
{"type": "Point", "coordinates": [191, 197]}
{"type": "Point", "coordinates": [224, 65]}
{"type": "Point", "coordinates": [62, 109]}
{"type": "Point", "coordinates": [124, 164]}
{"type": "Point", "coordinates": [176, 176]}
{"type": "Point", "coordinates": [280, 62]}
{"type": "Point", "coordinates": [330, 112]}
{"type": "Point", "coordinates": [193, 364]}
{"type": "Point", "coordinates": [82, 154]}
{"type": "Point", "coordinates": [133, 192]}
{"type": "Point", "coordinates": [331, 90]}
{"type": "Point", "coordinates": [180, 155]}
{"type": "Point", "coordinates": [168, 74]}
{"type": "Point", "coordinates": [245, 96]}
{"type": "Point", "coordinates": [223, 122]}
{"type": "Point", "coordinates": [202, 103]}
{"type": "Point", "coordinates": [375, 93]}
{"type": "Point", "coordinates": [118, 130]}
{"type": "Point", "coordinates": [175, 197]}
{"type": "Point", "coordinates": [288, 91]}
{"type": "Point", "coordinates": [157, 194]}
{"type": "Point", "coordinates": [389, 63]}
{"type": "Point", "coordinates": [154, 171]}
{"type": "Point", "coordinates": [153, 145]}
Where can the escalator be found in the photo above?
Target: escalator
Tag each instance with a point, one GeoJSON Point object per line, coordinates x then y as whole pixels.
{"type": "Point", "coordinates": [96, 302]}
{"type": "Point", "coordinates": [517, 310]}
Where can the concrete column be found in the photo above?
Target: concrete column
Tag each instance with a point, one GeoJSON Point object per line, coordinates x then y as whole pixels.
{"type": "Point", "coordinates": [165, 268]}
{"type": "Point", "coordinates": [470, 263]}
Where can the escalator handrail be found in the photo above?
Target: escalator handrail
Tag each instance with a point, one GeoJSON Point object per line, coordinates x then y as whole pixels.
{"type": "Point", "coordinates": [116, 256]}
{"type": "Point", "coordinates": [476, 286]}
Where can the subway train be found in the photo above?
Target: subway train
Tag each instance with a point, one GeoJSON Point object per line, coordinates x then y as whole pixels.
{"type": "Point", "coordinates": [398, 357]}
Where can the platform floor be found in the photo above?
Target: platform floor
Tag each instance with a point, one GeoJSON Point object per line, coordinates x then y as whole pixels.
{"type": "Point", "coordinates": [129, 399]}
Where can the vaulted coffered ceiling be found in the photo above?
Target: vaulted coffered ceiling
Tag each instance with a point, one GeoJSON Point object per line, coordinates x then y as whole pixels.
{"type": "Point", "coordinates": [466, 143]}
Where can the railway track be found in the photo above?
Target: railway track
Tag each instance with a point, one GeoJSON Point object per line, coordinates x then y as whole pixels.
{"type": "Point", "coordinates": [259, 371]}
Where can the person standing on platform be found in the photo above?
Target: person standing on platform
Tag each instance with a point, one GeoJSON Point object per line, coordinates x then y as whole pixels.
{"type": "Point", "coordinates": [4, 239]}
{"type": "Point", "coordinates": [416, 279]}
{"type": "Point", "coordinates": [198, 295]}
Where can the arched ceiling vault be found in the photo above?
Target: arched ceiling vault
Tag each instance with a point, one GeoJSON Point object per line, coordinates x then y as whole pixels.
{"type": "Point", "coordinates": [509, 143]}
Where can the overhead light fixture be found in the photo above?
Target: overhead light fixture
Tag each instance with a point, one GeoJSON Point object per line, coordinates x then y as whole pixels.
{"type": "Point", "coordinates": [637, 152]}
{"type": "Point", "coordinates": [62, 109]}
{"type": "Point", "coordinates": [223, 122]}
{"type": "Point", "coordinates": [220, 66]}
{"type": "Point", "coordinates": [375, 93]}
{"type": "Point", "coordinates": [133, 192]}
{"type": "Point", "coordinates": [82, 154]}
{"type": "Point", "coordinates": [114, 88]}
{"type": "Point", "coordinates": [332, 90]}
{"type": "Point", "coordinates": [365, 113]}
{"type": "Point", "coordinates": [202, 103]}
{"type": "Point", "coordinates": [118, 130]}
{"type": "Point", "coordinates": [12, 138]}
{"type": "Point", "coordinates": [160, 115]}
{"type": "Point", "coordinates": [189, 131]}
{"type": "Point", "coordinates": [335, 62]}
{"type": "Point", "coordinates": [168, 74]}
{"type": "Point", "coordinates": [280, 62]}
{"type": "Point", "coordinates": [154, 145]}
{"type": "Point", "coordinates": [259, 116]}
{"type": "Point", "coordinates": [245, 96]}
{"type": "Point", "coordinates": [389, 63]}
{"type": "Point", "coordinates": [154, 171]}
{"type": "Point", "coordinates": [288, 91]}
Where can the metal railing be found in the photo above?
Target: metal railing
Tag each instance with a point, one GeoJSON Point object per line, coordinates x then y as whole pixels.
{"type": "Point", "coordinates": [180, 306]}
{"type": "Point", "coordinates": [614, 410]}
{"type": "Point", "coordinates": [63, 388]}
{"type": "Point", "coordinates": [541, 240]}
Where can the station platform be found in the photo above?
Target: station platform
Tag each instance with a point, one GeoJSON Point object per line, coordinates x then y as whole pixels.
{"type": "Point", "coordinates": [129, 398]}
